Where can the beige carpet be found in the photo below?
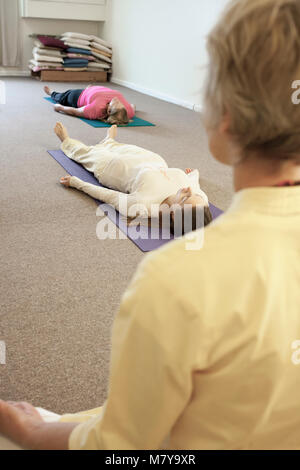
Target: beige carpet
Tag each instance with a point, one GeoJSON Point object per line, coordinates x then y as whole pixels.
{"type": "Point", "coordinates": [61, 286]}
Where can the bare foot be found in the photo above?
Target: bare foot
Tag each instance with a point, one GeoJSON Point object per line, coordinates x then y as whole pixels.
{"type": "Point", "coordinates": [112, 132]}
{"type": "Point", "coordinates": [61, 131]}
{"type": "Point", "coordinates": [188, 170]}
{"type": "Point", "coordinates": [47, 90]}
{"type": "Point", "coordinates": [65, 180]}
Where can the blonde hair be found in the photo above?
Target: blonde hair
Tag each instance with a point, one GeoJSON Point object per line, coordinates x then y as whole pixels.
{"type": "Point", "coordinates": [254, 55]}
{"type": "Point", "coordinates": [118, 116]}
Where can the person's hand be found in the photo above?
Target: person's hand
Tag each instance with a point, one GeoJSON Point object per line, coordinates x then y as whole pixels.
{"type": "Point", "coordinates": [19, 422]}
{"type": "Point", "coordinates": [188, 170]}
{"type": "Point", "coordinates": [58, 107]}
{"type": "Point", "coordinates": [65, 180]}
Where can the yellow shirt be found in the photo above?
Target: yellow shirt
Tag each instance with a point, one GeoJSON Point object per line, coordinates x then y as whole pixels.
{"type": "Point", "coordinates": [204, 345]}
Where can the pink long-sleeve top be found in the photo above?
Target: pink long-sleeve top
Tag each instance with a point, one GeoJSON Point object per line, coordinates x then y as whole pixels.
{"type": "Point", "coordinates": [95, 99]}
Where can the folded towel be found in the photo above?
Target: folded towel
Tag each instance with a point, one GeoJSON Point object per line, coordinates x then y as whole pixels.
{"type": "Point", "coordinates": [77, 50]}
{"type": "Point", "coordinates": [80, 42]}
{"type": "Point", "coordinates": [79, 56]}
{"type": "Point", "coordinates": [72, 44]}
{"type": "Point", "coordinates": [38, 44]}
{"type": "Point", "coordinates": [102, 57]}
{"type": "Point", "coordinates": [98, 51]}
{"type": "Point", "coordinates": [101, 48]}
{"type": "Point", "coordinates": [100, 41]}
{"type": "Point", "coordinates": [75, 66]}
{"type": "Point", "coordinates": [98, 65]}
{"type": "Point", "coordinates": [51, 41]}
{"type": "Point", "coordinates": [46, 51]}
{"type": "Point", "coordinates": [38, 63]}
{"type": "Point", "coordinates": [68, 60]}
{"type": "Point", "coordinates": [35, 68]}
{"type": "Point", "coordinates": [45, 58]}
{"type": "Point", "coordinates": [77, 36]}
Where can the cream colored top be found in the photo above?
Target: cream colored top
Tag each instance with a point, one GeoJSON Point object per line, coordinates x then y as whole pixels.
{"type": "Point", "coordinates": [204, 351]}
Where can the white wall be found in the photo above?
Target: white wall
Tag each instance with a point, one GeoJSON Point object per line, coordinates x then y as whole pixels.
{"type": "Point", "coordinates": [159, 45]}
{"type": "Point", "coordinates": [29, 26]}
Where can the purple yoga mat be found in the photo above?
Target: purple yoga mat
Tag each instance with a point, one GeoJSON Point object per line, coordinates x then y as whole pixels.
{"type": "Point", "coordinates": [146, 239]}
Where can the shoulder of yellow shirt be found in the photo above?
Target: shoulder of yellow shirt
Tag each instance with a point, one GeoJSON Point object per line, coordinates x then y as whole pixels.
{"type": "Point", "coordinates": [223, 239]}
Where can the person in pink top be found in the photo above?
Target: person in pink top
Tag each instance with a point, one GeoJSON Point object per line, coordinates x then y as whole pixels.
{"type": "Point", "coordinates": [94, 102]}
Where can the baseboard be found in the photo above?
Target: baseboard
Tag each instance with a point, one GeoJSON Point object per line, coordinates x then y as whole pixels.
{"type": "Point", "coordinates": [13, 73]}
{"type": "Point", "coordinates": [155, 94]}
{"type": "Point", "coordinates": [146, 91]}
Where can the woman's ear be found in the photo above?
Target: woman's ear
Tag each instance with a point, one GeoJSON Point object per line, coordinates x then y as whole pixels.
{"type": "Point", "coordinates": [225, 124]}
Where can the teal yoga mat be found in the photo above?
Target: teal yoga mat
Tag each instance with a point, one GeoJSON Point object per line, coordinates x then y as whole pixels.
{"type": "Point", "coordinates": [137, 122]}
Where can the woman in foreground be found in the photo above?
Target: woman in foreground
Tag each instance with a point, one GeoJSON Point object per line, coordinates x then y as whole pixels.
{"type": "Point", "coordinates": [205, 347]}
{"type": "Point", "coordinates": [94, 102]}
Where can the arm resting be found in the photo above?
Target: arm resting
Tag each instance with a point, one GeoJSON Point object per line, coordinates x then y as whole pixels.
{"type": "Point", "coordinates": [78, 112]}
{"type": "Point", "coordinates": [120, 201]}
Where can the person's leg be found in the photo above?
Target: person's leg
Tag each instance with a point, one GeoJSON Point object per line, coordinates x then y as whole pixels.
{"type": "Point", "coordinates": [96, 158]}
{"type": "Point", "coordinates": [139, 154]}
{"type": "Point", "coordinates": [109, 145]}
{"type": "Point", "coordinates": [67, 98]}
{"type": "Point", "coordinates": [56, 96]}
{"type": "Point", "coordinates": [61, 98]}
{"type": "Point", "coordinates": [76, 150]}
{"type": "Point", "coordinates": [111, 133]}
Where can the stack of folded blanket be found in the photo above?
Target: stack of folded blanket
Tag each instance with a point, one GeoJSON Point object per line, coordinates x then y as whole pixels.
{"type": "Point", "coordinates": [70, 52]}
{"type": "Point", "coordinates": [48, 53]}
{"type": "Point", "coordinates": [82, 48]}
{"type": "Point", "coordinates": [77, 59]}
{"type": "Point", "coordinates": [101, 50]}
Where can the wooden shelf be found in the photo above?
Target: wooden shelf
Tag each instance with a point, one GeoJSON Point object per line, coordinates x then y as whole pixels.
{"type": "Point", "coordinates": [62, 76]}
{"type": "Point", "coordinates": [81, 10]}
